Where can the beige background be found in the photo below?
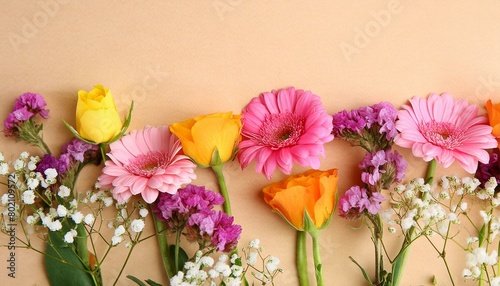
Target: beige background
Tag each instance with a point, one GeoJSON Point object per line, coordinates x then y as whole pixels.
{"type": "Point", "coordinates": [178, 59]}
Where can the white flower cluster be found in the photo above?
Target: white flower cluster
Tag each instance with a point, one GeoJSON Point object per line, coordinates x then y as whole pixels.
{"type": "Point", "coordinates": [123, 221]}
{"type": "Point", "coordinates": [228, 271]}
{"type": "Point", "coordinates": [429, 210]}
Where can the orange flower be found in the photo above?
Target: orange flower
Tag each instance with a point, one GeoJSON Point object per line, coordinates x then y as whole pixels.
{"type": "Point", "coordinates": [304, 200]}
{"type": "Point", "coordinates": [494, 118]}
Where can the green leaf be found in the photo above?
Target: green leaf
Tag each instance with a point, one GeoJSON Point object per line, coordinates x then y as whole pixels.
{"type": "Point", "coordinates": [136, 280]}
{"type": "Point", "coordinates": [63, 265]}
{"type": "Point", "coordinates": [75, 133]}
{"type": "Point", "coordinates": [482, 235]}
{"type": "Point", "coordinates": [365, 275]}
{"type": "Point", "coordinates": [183, 257]}
{"type": "Point", "coordinates": [152, 283]}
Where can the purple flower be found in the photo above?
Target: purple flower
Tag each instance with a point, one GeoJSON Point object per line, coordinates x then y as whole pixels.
{"type": "Point", "coordinates": [371, 127]}
{"type": "Point", "coordinates": [76, 149]}
{"type": "Point", "coordinates": [214, 228]}
{"type": "Point", "coordinates": [382, 168]}
{"type": "Point", "coordinates": [177, 208]}
{"type": "Point", "coordinates": [356, 200]}
{"type": "Point", "coordinates": [492, 169]}
{"type": "Point", "coordinates": [32, 102]}
{"type": "Point", "coordinates": [49, 161]}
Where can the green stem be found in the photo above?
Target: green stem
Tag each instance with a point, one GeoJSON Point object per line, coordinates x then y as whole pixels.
{"type": "Point", "coordinates": [431, 171]}
{"type": "Point", "coordinates": [223, 188]}
{"type": "Point", "coordinates": [176, 250]}
{"type": "Point", "coordinates": [161, 234]}
{"type": "Point", "coordinates": [318, 268]}
{"type": "Point", "coordinates": [378, 234]}
{"type": "Point", "coordinates": [302, 258]}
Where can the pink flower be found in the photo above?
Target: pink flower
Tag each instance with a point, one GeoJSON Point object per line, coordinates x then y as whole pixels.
{"type": "Point", "coordinates": [445, 129]}
{"type": "Point", "coordinates": [146, 162]}
{"type": "Point", "coordinates": [282, 127]}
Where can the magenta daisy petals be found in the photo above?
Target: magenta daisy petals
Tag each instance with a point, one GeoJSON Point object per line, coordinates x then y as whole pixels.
{"type": "Point", "coordinates": [284, 127]}
{"type": "Point", "coordinates": [445, 129]}
{"type": "Point", "coordinates": [146, 162]}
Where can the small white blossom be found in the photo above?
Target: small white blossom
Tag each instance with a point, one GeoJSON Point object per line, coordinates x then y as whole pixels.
{"type": "Point", "coordinates": [213, 273]}
{"type": "Point", "coordinates": [2, 158]}
{"type": "Point", "coordinates": [32, 183]}
{"type": "Point", "coordinates": [32, 219]}
{"type": "Point", "coordinates": [77, 217]}
{"type": "Point", "coordinates": [50, 173]}
{"type": "Point", "coordinates": [5, 199]}
{"type": "Point", "coordinates": [24, 155]}
{"type": "Point", "coordinates": [108, 201]}
{"type": "Point", "coordinates": [272, 263]}
{"type": "Point", "coordinates": [29, 197]}
{"type": "Point", "coordinates": [223, 268]}
{"type": "Point", "coordinates": [89, 219]}
{"type": "Point", "coordinates": [137, 225]}
{"type": "Point", "coordinates": [255, 244]}
{"type": "Point", "coordinates": [69, 236]}
{"type": "Point", "coordinates": [252, 258]}
{"type": "Point", "coordinates": [63, 191]}
{"type": "Point", "coordinates": [143, 212]}
{"type": "Point", "coordinates": [206, 261]}
{"type": "Point", "coordinates": [62, 211]}
{"type": "Point", "coordinates": [116, 239]}
{"type": "Point", "coordinates": [119, 230]}
{"type": "Point", "coordinates": [54, 225]}
{"type": "Point", "coordinates": [4, 168]}
{"type": "Point", "coordinates": [93, 198]}
{"type": "Point", "coordinates": [18, 164]}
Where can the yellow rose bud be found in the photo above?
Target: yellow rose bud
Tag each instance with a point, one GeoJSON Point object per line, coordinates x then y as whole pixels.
{"type": "Point", "coordinates": [494, 118]}
{"type": "Point", "coordinates": [97, 119]}
{"type": "Point", "coordinates": [203, 135]}
{"type": "Point", "coordinates": [311, 194]}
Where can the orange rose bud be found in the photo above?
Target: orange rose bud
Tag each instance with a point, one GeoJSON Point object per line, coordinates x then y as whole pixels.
{"type": "Point", "coordinates": [494, 118]}
{"type": "Point", "coordinates": [304, 200]}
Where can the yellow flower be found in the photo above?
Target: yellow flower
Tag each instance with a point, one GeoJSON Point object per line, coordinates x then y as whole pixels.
{"type": "Point", "coordinates": [203, 135]}
{"type": "Point", "coordinates": [494, 118]}
{"type": "Point", "coordinates": [97, 119]}
{"type": "Point", "coordinates": [308, 196]}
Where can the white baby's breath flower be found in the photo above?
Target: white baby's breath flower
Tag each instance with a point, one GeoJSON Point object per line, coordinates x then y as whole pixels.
{"type": "Point", "coordinates": [31, 219]}
{"type": "Point", "coordinates": [213, 273]}
{"type": "Point", "coordinates": [2, 158]}
{"type": "Point", "coordinates": [143, 212]}
{"type": "Point", "coordinates": [93, 198]}
{"type": "Point", "coordinates": [32, 183]}
{"type": "Point", "coordinates": [137, 225]}
{"type": "Point", "coordinates": [50, 173]}
{"type": "Point", "coordinates": [19, 164]}
{"type": "Point", "coordinates": [4, 168]}
{"type": "Point", "coordinates": [119, 230]}
{"type": "Point", "coordinates": [24, 155]}
{"type": "Point", "coordinates": [116, 239]}
{"type": "Point", "coordinates": [223, 268]}
{"type": "Point", "coordinates": [272, 263]}
{"type": "Point", "coordinates": [255, 244]}
{"type": "Point", "coordinates": [252, 258]}
{"type": "Point", "coordinates": [69, 236]}
{"type": "Point", "coordinates": [54, 225]}
{"type": "Point", "coordinates": [29, 197]}
{"type": "Point", "coordinates": [62, 211]}
{"type": "Point", "coordinates": [108, 201]}
{"type": "Point", "coordinates": [206, 261]}
{"type": "Point", "coordinates": [77, 217]}
{"type": "Point", "coordinates": [63, 192]}
{"type": "Point", "coordinates": [237, 270]}
{"type": "Point", "coordinates": [89, 219]}
{"type": "Point", "coordinates": [5, 199]}
{"type": "Point", "coordinates": [73, 204]}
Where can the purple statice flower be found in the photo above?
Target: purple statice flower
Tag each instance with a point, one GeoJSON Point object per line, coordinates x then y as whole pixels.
{"type": "Point", "coordinates": [49, 161]}
{"type": "Point", "coordinates": [356, 200]}
{"type": "Point", "coordinates": [382, 168]}
{"type": "Point", "coordinates": [26, 106]}
{"type": "Point", "coordinates": [176, 208]}
{"type": "Point", "coordinates": [491, 169]}
{"type": "Point", "coordinates": [76, 149]}
{"type": "Point", "coordinates": [33, 102]}
{"type": "Point", "coordinates": [371, 127]}
{"type": "Point", "coordinates": [214, 228]}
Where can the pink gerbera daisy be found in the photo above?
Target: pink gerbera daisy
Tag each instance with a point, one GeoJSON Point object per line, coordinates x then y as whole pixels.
{"type": "Point", "coordinates": [445, 129]}
{"type": "Point", "coordinates": [146, 162]}
{"type": "Point", "coordinates": [282, 127]}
